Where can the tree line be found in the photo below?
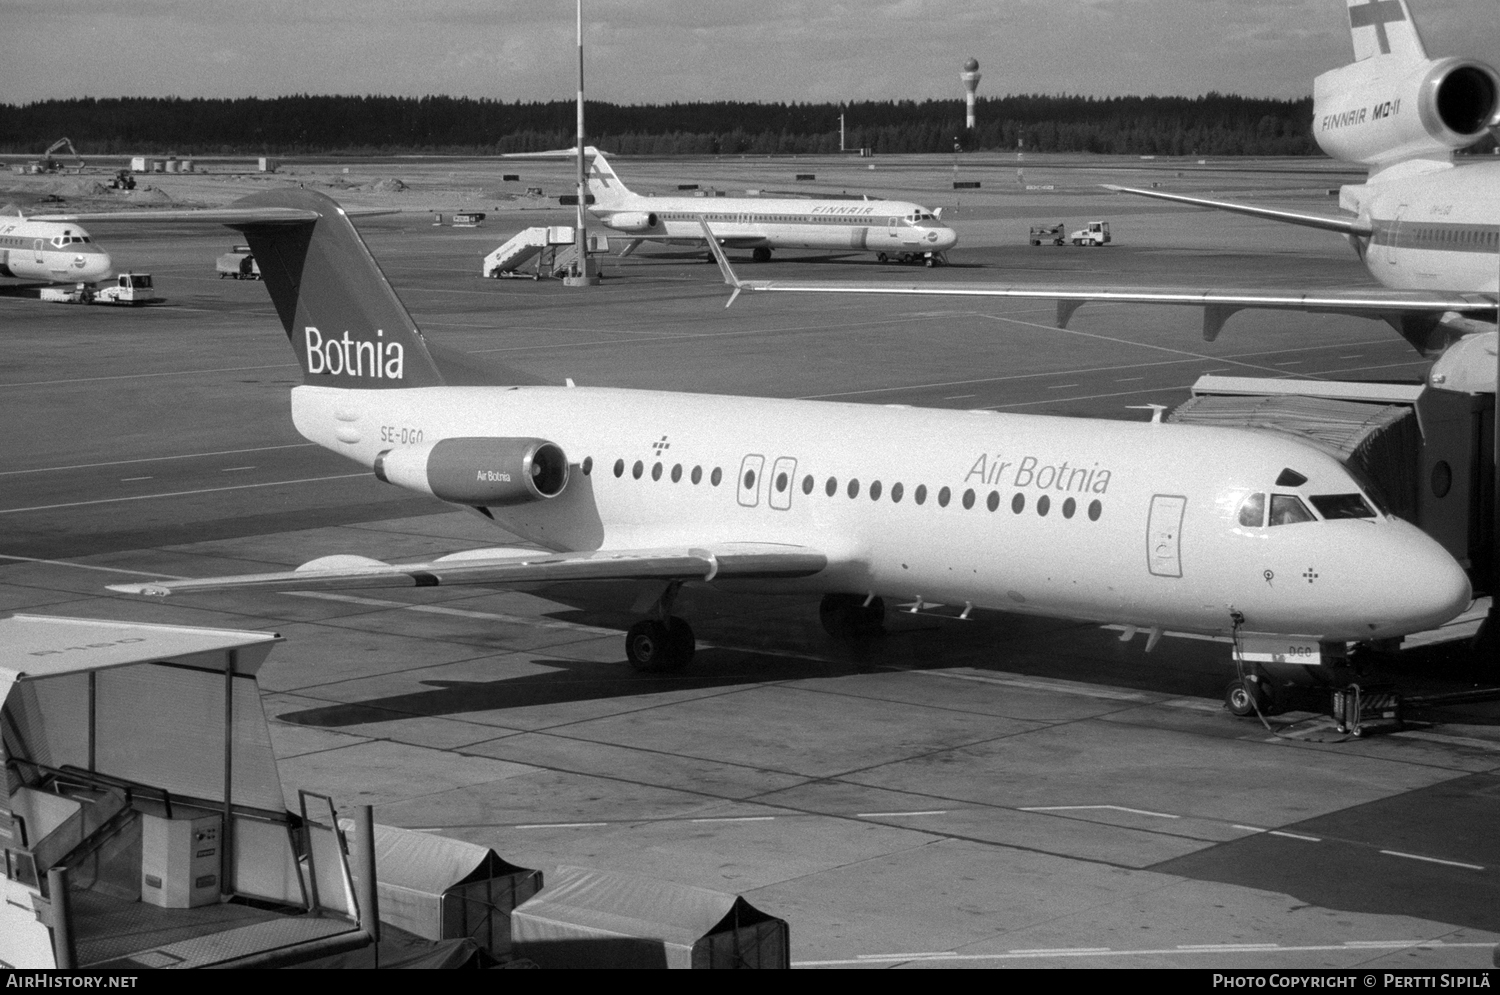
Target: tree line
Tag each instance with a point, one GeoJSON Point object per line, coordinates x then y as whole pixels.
{"type": "Point", "coordinates": [1213, 124]}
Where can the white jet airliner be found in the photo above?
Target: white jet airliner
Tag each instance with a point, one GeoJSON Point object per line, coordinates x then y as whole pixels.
{"type": "Point", "coordinates": [1153, 526]}
{"type": "Point", "coordinates": [892, 229]}
{"type": "Point", "coordinates": [1428, 229]}
{"type": "Point", "coordinates": [50, 251]}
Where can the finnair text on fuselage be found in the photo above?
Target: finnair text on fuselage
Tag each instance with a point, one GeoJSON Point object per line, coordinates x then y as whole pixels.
{"type": "Point", "coordinates": [354, 357]}
{"type": "Point", "coordinates": [1359, 115]}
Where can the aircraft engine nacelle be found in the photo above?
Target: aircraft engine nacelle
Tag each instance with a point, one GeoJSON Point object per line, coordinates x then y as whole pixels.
{"type": "Point", "coordinates": [1380, 113]}
{"type": "Point", "coordinates": [633, 220]}
{"type": "Point", "coordinates": [481, 472]}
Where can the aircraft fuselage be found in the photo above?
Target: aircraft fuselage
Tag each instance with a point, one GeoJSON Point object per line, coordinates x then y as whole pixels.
{"type": "Point", "coordinates": [54, 252]}
{"type": "Point", "coordinates": [1118, 522]}
{"type": "Point", "coordinates": [1433, 230]}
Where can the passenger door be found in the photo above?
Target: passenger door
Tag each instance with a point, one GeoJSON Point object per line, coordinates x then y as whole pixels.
{"type": "Point", "coordinates": [783, 480]}
{"type": "Point", "coordinates": [749, 482]}
{"type": "Point", "coordinates": [1164, 535]}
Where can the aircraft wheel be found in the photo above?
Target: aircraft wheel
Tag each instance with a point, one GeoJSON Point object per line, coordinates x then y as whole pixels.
{"type": "Point", "coordinates": [1035, 242]}
{"type": "Point", "coordinates": [655, 647]}
{"type": "Point", "coordinates": [1242, 696]}
{"type": "Point", "coordinates": [846, 616]}
{"type": "Point", "coordinates": [881, 257]}
{"type": "Point", "coordinates": [761, 255]}
{"type": "Point", "coordinates": [1077, 241]}
{"type": "Point", "coordinates": [931, 262]}
{"type": "Point", "coordinates": [648, 646]}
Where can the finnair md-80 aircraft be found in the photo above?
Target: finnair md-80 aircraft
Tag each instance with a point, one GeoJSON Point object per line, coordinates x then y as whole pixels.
{"type": "Point", "coordinates": [1428, 229]}
{"type": "Point", "coordinates": [1155, 526]}
{"type": "Point", "coordinates": [892, 229]}
{"type": "Point", "coordinates": [50, 251]}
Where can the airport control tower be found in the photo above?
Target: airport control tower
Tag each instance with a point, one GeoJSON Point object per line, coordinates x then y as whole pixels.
{"type": "Point", "coordinates": [970, 77]}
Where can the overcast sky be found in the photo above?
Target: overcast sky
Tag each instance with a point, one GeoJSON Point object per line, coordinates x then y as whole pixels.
{"type": "Point", "coordinates": [658, 51]}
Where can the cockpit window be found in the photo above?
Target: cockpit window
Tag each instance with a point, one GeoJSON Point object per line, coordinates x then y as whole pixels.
{"type": "Point", "coordinates": [1288, 509]}
{"type": "Point", "coordinates": [1342, 506]}
{"type": "Point", "coordinates": [1253, 511]}
{"type": "Point", "coordinates": [1290, 478]}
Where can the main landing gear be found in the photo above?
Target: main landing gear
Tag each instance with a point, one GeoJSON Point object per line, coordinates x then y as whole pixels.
{"type": "Point", "coordinates": [761, 255]}
{"type": "Point", "coordinates": [654, 646]}
{"type": "Point", "coordinates": [852, 617]}
{"type": "Point", "coordinates": [664, 642]}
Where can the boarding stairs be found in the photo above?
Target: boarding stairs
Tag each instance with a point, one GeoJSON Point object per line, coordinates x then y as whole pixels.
{"type": "Point", "coordinates": [551, 247]}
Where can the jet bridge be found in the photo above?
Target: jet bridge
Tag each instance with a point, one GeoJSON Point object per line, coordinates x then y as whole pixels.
{"type": "Point", "coordinates": [143, 822]}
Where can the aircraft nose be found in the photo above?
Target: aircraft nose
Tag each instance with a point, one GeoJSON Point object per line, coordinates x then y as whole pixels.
{"type": "Point", "coordinates": [947, 238]}
{"type": "Point", "coordinates": [1420, 587]}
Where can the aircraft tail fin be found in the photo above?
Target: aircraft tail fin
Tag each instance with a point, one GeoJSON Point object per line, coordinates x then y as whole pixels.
{"type": "Point", "coordinates": [607, 189]}
{"type": "Point", "coordinates": [1384, 27]}
{"type": "Point", "coordinates": [346, 324]}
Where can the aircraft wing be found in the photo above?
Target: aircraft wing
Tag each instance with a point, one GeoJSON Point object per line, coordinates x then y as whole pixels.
{"type": "Point", "coordinates": [1412, 312]}
{"type": "Point", "coordinates": [1344, 226]}
{"type": "Point", "coordinates": [501, 568]}
{"type": "Point", "coordinates": [211, 215]}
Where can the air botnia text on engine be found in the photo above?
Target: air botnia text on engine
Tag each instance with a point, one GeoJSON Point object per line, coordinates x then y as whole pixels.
{"type": "Point", "coordinates": [481, 472]}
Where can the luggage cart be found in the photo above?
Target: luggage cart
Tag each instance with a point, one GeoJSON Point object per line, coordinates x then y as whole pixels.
{"type": "Point", "coordinates": [1354, 707]}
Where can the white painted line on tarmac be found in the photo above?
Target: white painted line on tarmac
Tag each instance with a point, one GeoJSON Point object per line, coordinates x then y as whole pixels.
{"type": "Point", "coordinates": [1040, 685]}
{"type": "Point", "coordinates": [1063, 386]}
{"type": "Point", "coordinates": [561, 825]}
{"type": "Point", "coordinates": [354, 599]}
{"type": "Point", "coordinates": [1192, 950]}
{"type": "Point", "coordinates": [892, 815]}
{"type": "Point", "coordinates": [236, 469]}
{"type": "Point", "coordinates": [1433, 860]}
{"type": "Point", "coordinates": [88, 566]}
{"type": "Point", "coordinates": [131, 480]}
{"type": "Point", "coordinates": [1276, 832]}
{"type": "Point", "coordinates": [739, 818]}
{"type": "Point", "coordinates": [142, 376]}
{"type": "Point", "coordinates": [1062, 950]}
{"type": "Point", "coordinates": [172, 494]}
{"type": "Point", "coordinates": [1437, 737]}
{"type": "Point", "coordinates": [155, 459]}
{"type": "Point", "coordinates": [1112, 808]}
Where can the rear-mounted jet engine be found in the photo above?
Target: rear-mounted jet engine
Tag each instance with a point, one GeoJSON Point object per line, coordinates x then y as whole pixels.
{"type": "Point", "coordinates": [479, 472]}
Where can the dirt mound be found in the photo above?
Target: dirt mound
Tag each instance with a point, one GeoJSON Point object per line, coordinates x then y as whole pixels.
{"type": "Point", "coordinates": [148, 195]}
{"type": "Point", "coordinates": [391, 185]}
{"type": "Point", "coordinates": [77, 188]}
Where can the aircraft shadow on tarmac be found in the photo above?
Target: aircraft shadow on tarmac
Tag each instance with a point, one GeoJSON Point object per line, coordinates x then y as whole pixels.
{"type": "Point", "coordinates": [1351, 867]}
{"type": "Point", "coordinates": [756, 639]}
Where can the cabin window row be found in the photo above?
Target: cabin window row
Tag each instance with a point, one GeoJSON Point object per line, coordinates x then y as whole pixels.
{"type": "Point", "coordinates": [1043, 504]}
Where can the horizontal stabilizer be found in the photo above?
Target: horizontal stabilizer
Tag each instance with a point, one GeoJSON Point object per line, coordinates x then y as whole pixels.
{"type": "Point", "coordinates": [740, 561]}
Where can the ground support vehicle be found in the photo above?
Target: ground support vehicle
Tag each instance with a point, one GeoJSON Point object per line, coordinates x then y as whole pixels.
{"type": "Point", "coordinates": [128, 288]}
{"type": "Point", "coordinates": [1047, 233]}
{"type": "Point", "coordinates": [238, 264]}
{"type": "Point", "coordinates": [1093, 233]}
